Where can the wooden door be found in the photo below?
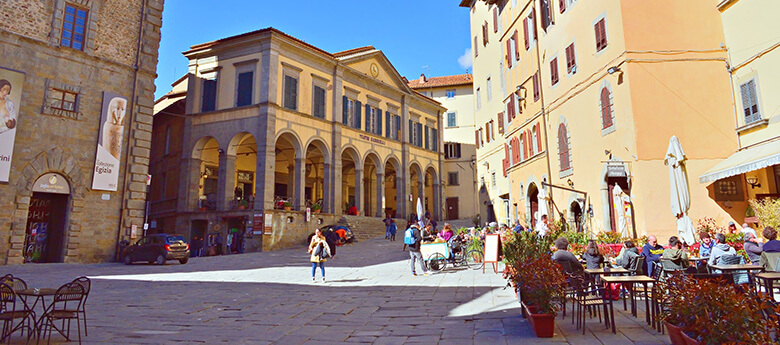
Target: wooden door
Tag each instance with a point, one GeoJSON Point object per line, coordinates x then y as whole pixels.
{"type": "Point", "coordinates": [452, 208]}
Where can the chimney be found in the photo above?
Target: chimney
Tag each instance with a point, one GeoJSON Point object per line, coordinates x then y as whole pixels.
{"type": "Point", "coordinates": [422, 78]}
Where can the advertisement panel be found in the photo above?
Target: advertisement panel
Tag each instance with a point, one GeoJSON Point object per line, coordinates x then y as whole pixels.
{"type": "Point", "coordinates": [109, 149]}
{"type": "Point", "coordinates": [11, 84]}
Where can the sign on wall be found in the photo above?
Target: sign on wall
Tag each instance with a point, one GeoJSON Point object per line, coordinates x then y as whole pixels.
{"type": "Point", "coordinates": [109, 148]}
{"type": "Point", "coordinates": [11, 85]}
{"type": "Point", "coordinates": [51, 183]}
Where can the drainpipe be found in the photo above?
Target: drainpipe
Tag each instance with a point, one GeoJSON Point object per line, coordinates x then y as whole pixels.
{"type": "Point", "coordinates": [132, 121]}
{"type": "Point", "coordinates": [544, 116]}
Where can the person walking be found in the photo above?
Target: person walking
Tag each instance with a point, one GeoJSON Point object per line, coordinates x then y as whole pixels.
{"type": "Point", "coordinates": [388, 222]}
{"type": "Point", "coordinates": [320, 251]}
{"type": "Point", "coordinates": [412, 239]}
{"type": "Point", "coordinates": [393, 230]}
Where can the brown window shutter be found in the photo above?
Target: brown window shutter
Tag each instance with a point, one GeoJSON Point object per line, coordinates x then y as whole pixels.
{"type": "Point", "coordinates": [606, 109]}
{"type": "Point", "coordinates": [554, 71]}
{"type": "Point", "coordinates": [476, 137]}
{"type": "Point", "coordinates": [517, 48]}
{"type": "Point", "coordinates": [529, 137]}
{"type": "Point", "coordinates": [562, 5]}
{"type": "Point", "coordinates": [525, 33]}
{"type": "Point", "coordinates": [505, 161]}
{"type": "Point", "coordinates": [476, 50]}
{"type": "Point", "coordinates": [511, 108]}
{"type": "Point", "coordinates": [509, 52]}
{"type": "Point", "coordinates": [573, 57]}
{"type": "Point", "coordinates": [536, 86]}
{"type": "Point", "coordinates": [603, 28]}
{"type": "Point", "coordinates": [501, 122]}
{"type": "Point", "coordinates": [533, 19]}
{"type": "Point", "coordinates": [539, 136]}
{"type": "Point", "coordinates": [495, 19]}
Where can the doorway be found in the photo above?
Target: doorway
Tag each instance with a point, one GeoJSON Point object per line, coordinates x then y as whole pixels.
{"type": "Point", "coordinates": [452, 208]}
{"type": "Point", "coordinates": [198, 236]}
{"type": "Point", "coordinates": [576, 214]}
{"type": "Point", "coordinates": [45, 228]}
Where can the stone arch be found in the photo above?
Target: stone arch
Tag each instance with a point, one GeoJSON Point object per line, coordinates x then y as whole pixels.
{"type": "Point", "coordinates": [604, 190]}
{"type": "Point", "coordinates": [317, 174]}
{"type": "Point", "coordinates": [375, 158]}
{"type": "Point", "coordinates": [58, 161]}
{"type": "Point", "coordinates": [322, 145]}
{"type": "Point", "coordinates": [236, 141]}
{"type": "Point", "coordinates": [394, 194]}
{"type": "Point", "coordinates": [372, 184]}
{"type": "Point", "coordinates": [293, 139]}
{"type": "Point", "coordinates": [393, 161]}
{"type": "Point", "coordinates": [353, 153]}
{"type": "Point", "coordinates": [200, 144]}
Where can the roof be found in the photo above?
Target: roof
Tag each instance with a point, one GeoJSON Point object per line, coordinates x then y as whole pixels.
{"type": "Point", "coordinates": [252, 33]}
{"type": "Point", "coordinates": [450, 80]}
{"type": "Point", "coordinates": [354, 51]}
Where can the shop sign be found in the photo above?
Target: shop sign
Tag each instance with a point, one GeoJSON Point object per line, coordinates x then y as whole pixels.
{"type": "Point", "coordinates": [51, 183]}
{"type": "Point", "coordinates": [616, 171]}
{"type": "Point", "coordinates": [372, 139]}
{"type": "Point", "coordinates": [11, 85]}
{"type": "Point", "coordinates": [110, 137]}
{"type": "Point", "coordinates": [268, 224]}
{"type": "Point", "coordinates": [257, 223]}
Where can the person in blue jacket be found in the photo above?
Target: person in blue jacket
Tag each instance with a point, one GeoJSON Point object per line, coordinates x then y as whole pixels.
{"type": "Point", "coordinates": [652, 252]}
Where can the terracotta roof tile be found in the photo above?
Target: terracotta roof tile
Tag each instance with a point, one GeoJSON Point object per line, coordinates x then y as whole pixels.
{"type": "Point", "coordinates": [450, 80]}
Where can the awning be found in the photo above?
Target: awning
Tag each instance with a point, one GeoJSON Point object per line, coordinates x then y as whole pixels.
{"type": "Point", "coordinates": [750, 159]}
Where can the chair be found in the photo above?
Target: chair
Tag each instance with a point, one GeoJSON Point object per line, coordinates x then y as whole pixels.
{"type": "Point", "coordinates": [590, 297]}
{"type": "Point", "coordinates": [11, 313]}
{"type": "Point", "coordinates": [638, 266]}
{"type": "Point", "coordinates": [770, 261]}
{"type": "Point", "coordinates": [62, 309]}
{"type": "Point", "coordinates": [87, 285]}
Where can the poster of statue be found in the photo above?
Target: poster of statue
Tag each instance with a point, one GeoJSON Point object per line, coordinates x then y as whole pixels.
{"type": "Point", "coordinates": [110, 137]}
{"type": "Point", "coordinates": [11, 85]}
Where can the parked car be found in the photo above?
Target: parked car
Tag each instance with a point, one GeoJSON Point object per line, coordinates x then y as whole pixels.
{"type": "Point", "coordinates": [157, 248]}
{"type": "Point", "coordinates": [349, 236]}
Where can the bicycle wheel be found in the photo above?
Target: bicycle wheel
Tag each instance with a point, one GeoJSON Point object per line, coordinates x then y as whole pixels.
{"type": "Point", "coordinates": [474, 259]}
{"type": "Point", "coordinates": [436, 262]}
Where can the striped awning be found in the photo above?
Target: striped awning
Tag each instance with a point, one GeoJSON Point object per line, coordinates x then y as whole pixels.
{"type": "Point", "coordinates": [750, 159]}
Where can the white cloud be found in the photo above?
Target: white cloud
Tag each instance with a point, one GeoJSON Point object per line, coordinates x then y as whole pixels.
{"type": "Point", "coordinates": [465, 60]}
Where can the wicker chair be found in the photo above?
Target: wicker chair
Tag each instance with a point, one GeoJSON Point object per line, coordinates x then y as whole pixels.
{"type": "Point", "coordinates": [62, 309]}
{"type": "Point", "coordinates": [13, 311]}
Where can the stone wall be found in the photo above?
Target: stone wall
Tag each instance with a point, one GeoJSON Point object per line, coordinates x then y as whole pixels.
{"type": "Point", "coordinates": [50, 142]}
{"type": "Point", "coordinates": [290, 228]}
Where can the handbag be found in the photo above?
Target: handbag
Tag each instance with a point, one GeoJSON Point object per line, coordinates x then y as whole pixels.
{"type": "Point", "coordinates": [317, 250]}
{"type": "Point", "coordinates": [324, 252]}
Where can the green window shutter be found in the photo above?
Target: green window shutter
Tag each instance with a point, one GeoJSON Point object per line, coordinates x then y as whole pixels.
{"type": "Point", "coordinates": [411, 132]}
{"type": "Point", "coordinates": [419, 135]}
{"type": "Point", "coordinates": [434, 139]}
{"type": "Point", "coordinates": [345, 119]}
{"type": "Point", "coordinates": [378, 122]}
{"type": "Point", "coordinates": [387, 124]}
{"type": "Point", "coordinates": [368, 118]}
{"type": "Point", "coordinates": [358, 114]}
{"type": "Point", "coordinates": [397, 134]}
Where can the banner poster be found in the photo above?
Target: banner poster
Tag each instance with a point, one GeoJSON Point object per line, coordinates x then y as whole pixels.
{"type": "Point", "coordinates": [11, 85]}
{"type": "Point", "coordinates": [109, 148]}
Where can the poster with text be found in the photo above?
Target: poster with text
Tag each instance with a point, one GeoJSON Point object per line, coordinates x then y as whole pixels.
{"type": "Point", "coordinates": [11, 84]}
{"type": "Point", "coordinates": [109, 148]}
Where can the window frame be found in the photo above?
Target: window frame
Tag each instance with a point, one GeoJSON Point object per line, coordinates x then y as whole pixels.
{"type": "Point", "coordinates": [451, 93]}
{"type": "Point", "coordinates": [755, 115]}
{"type": "Point", "coordinates": [454, 119]}
{"type": "Point", "coordinates": [601, 34]}
{"type": "Point", "coordinates": [240, 70]}
{"type": "Point", "coordinates": [285, 98]}
{"type": "Point", "coordinates": [571, 59]}
{"type": "Point", "coordinates": [62, 100]}
{"type": "Point", "coordinates": [452, 176]}
{"type": "Point", "coordinates": [85, 26]}
{"type": "Point", "coordinates": [554, 76]}
{"type": "Point", "coordinates": [314, 104]}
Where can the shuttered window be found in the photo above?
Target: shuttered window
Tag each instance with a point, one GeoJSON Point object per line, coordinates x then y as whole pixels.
{"type": "Point", "coordinates": [209, 98]}
{"type": "Point", "coordinates": [485, 33]}
{"type": "Point", "coordinates": [495, 19]}
{"type": "Point", "coordinates": [476, 138]}
{"type": "Point", "coordinates": [546, 13]}
{"type": "Point", "coordinates": [537, 89]}
{"type": "Point", "coordinates": [517, 47]}
{"type": "Point", "coordinates": [476, 50]}
{"type": "Point", "coordinates": [571, 61]}
{"type": "Point", "coordinates": [606, 108]}
{"type": "Point", "coordinates": [500, 117]}
{"type": "Point", "coordinates": [244, 89]}
{"type": "Point", "coordinates": [750, 101]}
{"type": "Point", "coordinates": [554, 71]}
{"type": "Point", "coordinates": [290, 92]}
{"type": "Point", "coordinates": [601, 34]}
{"type": "Point", "coordinates": [318, 108]}
{"type": "Point", "coordinates": [525, 34]}
{"type": "Point", "coordinates": [562, 5]}
{"type": "Point", "coordinates": [563, 148]}
{"type": "Point", "coordinates": [509, 52]}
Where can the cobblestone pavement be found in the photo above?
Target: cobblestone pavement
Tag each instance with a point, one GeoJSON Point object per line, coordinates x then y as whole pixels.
{"type": "Point", "coordinates": [262, 298]}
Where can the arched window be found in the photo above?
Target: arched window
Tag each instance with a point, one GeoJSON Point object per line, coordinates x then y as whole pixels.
{"type": "Point", "coordinates": [606, 108]}
{"type": "Point", "coordinates": [535, 140]}
{"type": "Point", "coordinates": [563, 148]}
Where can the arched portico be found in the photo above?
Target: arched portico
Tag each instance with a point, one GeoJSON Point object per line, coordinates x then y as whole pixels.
{"type": "Point", "coordinates": [372, 185]}
{"type": "Point", "coordinates": [351, 178]}
{"type": "Point", "coordinates": [393, 189]}
{"type": "Point", "coordinates": [289, 173]}
{"type": "Point", "coordinates": [317, 175]}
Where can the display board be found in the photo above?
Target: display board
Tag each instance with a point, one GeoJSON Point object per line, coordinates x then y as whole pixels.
{"type": "Point", "coordinates": [492, 248]}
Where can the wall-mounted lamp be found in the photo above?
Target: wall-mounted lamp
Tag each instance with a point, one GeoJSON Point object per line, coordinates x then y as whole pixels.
{"type": "Point", "coordinates": [520, 92]}
{"type": "Point", "coordinates": [570, 183]}
{"type": "Point", "coordinates": [752, 180]}
{"type": "Point", "coordinates": [486, 164]}
{"type": "Point", "coordinates": [613, 70]}
{"type": "Point", "coordinates": [221, 151]}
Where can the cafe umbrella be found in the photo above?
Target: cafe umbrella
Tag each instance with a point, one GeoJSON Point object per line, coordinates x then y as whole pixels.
{"type": "Point", "coordinates": [420, 213]}
{"type": "Point", "coordinates": [680, 197]}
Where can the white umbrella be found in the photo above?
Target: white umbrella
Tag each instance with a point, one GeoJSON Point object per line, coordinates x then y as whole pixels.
{"type": "Point", "coordinates": [620, 211]}
{"type": "Point", "coordinates": [680, 198]}
{"type": "Point", "coordinates": [542, 199]}
{"type": "Point", "coordinates": [420, 213]}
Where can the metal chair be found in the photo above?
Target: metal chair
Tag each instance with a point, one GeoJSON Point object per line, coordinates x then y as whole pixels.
{"type": "Point", "coordinates": [87, 285]}
{"type": "Point", "coordinates": [11, 312]}
{"type": "Point", "coordinates": [61, 309]}
{"type": "Point", "coordinates": [596, 296]}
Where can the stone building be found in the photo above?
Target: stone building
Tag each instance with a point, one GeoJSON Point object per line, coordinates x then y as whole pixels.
{"type": "Point", "coordinates": [455, 93]}
{"type": "Point", "coordinates": [273, 126]}
{"type": "Point", "coordinates": [77, 125]}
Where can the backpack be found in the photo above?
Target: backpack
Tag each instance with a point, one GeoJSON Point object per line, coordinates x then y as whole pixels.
{"type": "Point", "coordinates": [409, 237]}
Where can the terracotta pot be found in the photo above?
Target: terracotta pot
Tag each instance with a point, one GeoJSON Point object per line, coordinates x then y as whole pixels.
{"type": "Point", "coordinates": [543, 324]}
{"type": "Point", "coordinates": [675, 334]}
{"type": "Point", "coordinates": [689, 340]}
{"type": "Point", "coordinates": [287, 208]}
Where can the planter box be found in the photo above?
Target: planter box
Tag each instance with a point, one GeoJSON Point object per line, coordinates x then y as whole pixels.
{"type": "Point", "coordinates": [542, 324]}
{"type": "Point", "coordinates": [689, 340]}
{"type": "Point", "coordinates": [675, 334]}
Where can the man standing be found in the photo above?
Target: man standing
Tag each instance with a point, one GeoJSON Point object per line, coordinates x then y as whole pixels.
{"type": "Point", "coordinates": [543, 226]}
{"type": "Point", "coordinates": [412, 239]}
{"type": "Point", "coordinates": [652, 252]}
{"type": "Point", "coordinates": [388, 221]}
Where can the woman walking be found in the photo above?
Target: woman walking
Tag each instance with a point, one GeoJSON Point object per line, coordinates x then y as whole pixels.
{"type": "Point", "coordinates": [319, 250]}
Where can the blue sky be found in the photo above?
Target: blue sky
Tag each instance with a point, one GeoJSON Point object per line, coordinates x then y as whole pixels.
{"type": "Point", "coordinates": [411, 33]}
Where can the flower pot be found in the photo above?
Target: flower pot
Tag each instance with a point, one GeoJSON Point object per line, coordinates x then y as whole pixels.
{"type": "Point", "coordinates": [689, 340]}
{"type": "Point", "coordinates": [542, 324]}
{"type": "Point", "coordinates": [241, 207]}
{"type": "Point", "coordinates": [675, 334]}
{"type": "Point", "coordinates": [287, 208]}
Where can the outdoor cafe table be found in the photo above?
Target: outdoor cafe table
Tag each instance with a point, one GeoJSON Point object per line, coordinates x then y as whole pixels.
{"type": "Point", "coordinates": [740, 267]}
{"type": "Point", "coordinates": [37, 294]}
{"type": "Point", "coordinates": [768, 279]}
{"type": "Point", "coordinates": [631, 280]}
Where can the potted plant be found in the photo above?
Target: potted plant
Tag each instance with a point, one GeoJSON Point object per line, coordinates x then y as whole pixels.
{"type": "Point", "coordinates": [711, 312]}
{"type": "Point", "coordinates": [287, 206]}
{"type": "Point", "coordinates": [316, 208]}
{"type": "Point", "coordinates": [242, 204]}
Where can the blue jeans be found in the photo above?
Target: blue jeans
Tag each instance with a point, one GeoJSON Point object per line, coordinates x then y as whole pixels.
{"type": "Point", "coordinates": [417, 256]}
{"type": "Point", "coordinates": [314, 268]}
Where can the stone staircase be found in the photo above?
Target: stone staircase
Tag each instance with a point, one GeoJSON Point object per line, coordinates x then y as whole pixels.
{"type": "Point", "coordinates": [370, 227]}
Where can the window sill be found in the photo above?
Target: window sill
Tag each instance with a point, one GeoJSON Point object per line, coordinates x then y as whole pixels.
{"type": "Point", "coordinates": [610, 129]}
{"type": "Point", "coordinates": [566, 173]}
{"type": "Point", "coordinates": [753, 125]}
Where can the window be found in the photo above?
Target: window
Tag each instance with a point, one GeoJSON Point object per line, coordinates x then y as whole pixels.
{"type": "Point", "coordinates": [529, 30]}
{"type": "Point", "coordinates": [493, 179]}
{"type": "Point", "coordinates": [606, 108]}
{"type": "Point", "coordinates": [452, 178]}
{"type": "Point", "coordinates": [537, 89]}
{"type": "Point", "coordinates": [451, 150]}
{"type": "Point", "coordinates": [416, 133]}
{"type": "Point", "coordinates": [290, 92]}
{"type": "Point", "coordinates": [500, 122]}
{"type": "Point", "coordinates": [373, 120]}
{"type": "Point", "coordinates": [452, 120]}
{"type": "Point", "coordinates": [554, 71]}
{"type": "Point", "coordinates": [563, 147]}
{"type": "Point", "coordinates": [244, 88]}
{"type": "Point", "coordinates": [63, 100]}
{"type": "Point", "coordinates": [479, 99]}
{"type": "Point", "coordinates": [485, 33]}
{"type": "Point", "coordinates": [318, 108]}
{"type": "Point", "coordinates": [509, 53]}
{"type": "Point", "coordinates": [601, 34]}
{"type": "Point", "coordinates": [74, 25]}
{"type": "Point", "coordinates": [546, 13]}
{"type": "Point", "coordinates": [495, 19]}
{"type": "Point", "coordinates": [168, 139]}
{"type": "Point", "coordinates": [451, 93]}
{"type": "Point", "coordinates": [562, 5]}
{"type": "Point", "coordinates": [750, 101]}
{"type": "Point", "coordinates": [393, 124]}
{"type": "Point", "coordinates": [434, 139]}
{"type": "Point", "coordinates": [535, 140]}
{"type": "Point", "coordinates": [476, 51]}
{"type": "Point", "coordinates": [489, 89]}
{"type": "Point", "coordinates": [209, 96]}
{"type": "Point", "coordinates": [351, 113]}
{"type": "Point", "coordinates": [510, 109]}
{"type": "Point", "coordinates": [571, 61]}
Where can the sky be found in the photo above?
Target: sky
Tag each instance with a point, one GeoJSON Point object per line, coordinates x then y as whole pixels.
{"type": "Point", "coordinates": [418, 36]}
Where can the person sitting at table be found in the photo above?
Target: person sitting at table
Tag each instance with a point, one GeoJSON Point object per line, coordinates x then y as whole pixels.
{"type": "Point", "coordinates": [446, 233]}
{"type": "Point", "coordinates": [753, 248]}
{"type": "Point", "coordinates": [592, 256]}
{"type": "Point", "coordinates": [674, 258]}
{"type": "Point", "coordinates": [706, 244]}
{"type": "Point", "coordinates": [772, 245]}
{"type": "Point", "coordinates": [627, 255]}
{"type": "Point", "coordinates": [565, 257]}
{"type": "Point", "coordinates": [652, 252]}
{"type": "Point", "coordinates": [721, 248]}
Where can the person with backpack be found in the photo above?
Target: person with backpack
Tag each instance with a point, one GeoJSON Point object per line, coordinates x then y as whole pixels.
{"type": "Point", "coordinates": [393, 230]}
{"type": "Point", "coordinates": [320, 251]}
{"type": "Point", "coordinates": [412, 238]}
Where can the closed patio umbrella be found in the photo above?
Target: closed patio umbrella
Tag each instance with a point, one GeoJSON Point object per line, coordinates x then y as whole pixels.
{"type": "Point", "coordinates": [620, 211]}
{"type": "Point", "coordinates": [680, 197]}
{"type": "Point", "coordinates": [542, 197]}
{"type": "Point", "coordinates": [420, 213]}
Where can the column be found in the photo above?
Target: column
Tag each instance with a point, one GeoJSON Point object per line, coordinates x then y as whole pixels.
{"type": "Point", "coordinates": [359, 190]}
{"type": "Point", "coordinates": [380, 192]}
{"type": "Point", "coordinates": [400, 184]}
{"type": "Point", "coordinates": [327, 186]}
{"type": "Point", "coordinates": [227, 181]}
{"type": "Point", "coordinates": [190, 175]}
{"type": "Point", "coordinates": [299, 202]}
{"type": "Point", "coordinates": [436, 212]}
